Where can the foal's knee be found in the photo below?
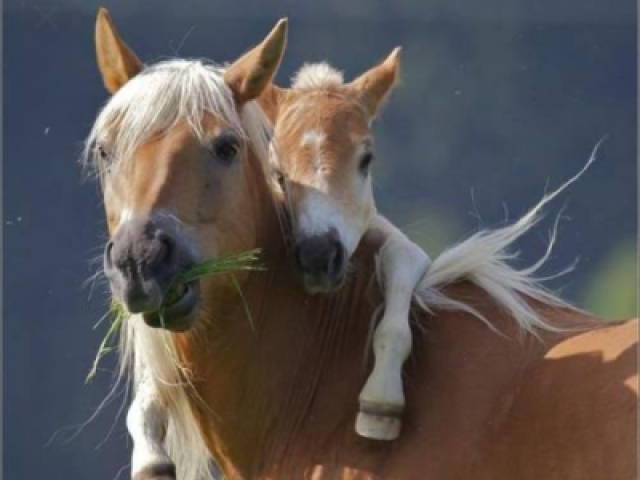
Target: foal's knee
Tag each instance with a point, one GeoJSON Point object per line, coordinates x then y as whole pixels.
{"type": "Point", "coordinates": [393, 339]}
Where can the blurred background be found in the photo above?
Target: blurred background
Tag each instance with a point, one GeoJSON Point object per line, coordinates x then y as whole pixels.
{"type": "Point", "coordinates": [499, 102]}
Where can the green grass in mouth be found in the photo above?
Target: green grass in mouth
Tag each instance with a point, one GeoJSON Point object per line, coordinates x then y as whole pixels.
{"type": "Point", "coordinates": [246, 261]}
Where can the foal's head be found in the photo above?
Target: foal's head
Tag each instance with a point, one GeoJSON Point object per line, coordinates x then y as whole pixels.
{"type": "Point", "coordinates": [322, 150]}
{"type": "Point", "coordinates": [176, 150]}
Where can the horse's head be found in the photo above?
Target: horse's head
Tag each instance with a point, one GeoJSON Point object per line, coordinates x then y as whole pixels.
{"type": "Point", "coordinates": [322, 151]}
{"type": "Point", "coordinates": [175, 151]}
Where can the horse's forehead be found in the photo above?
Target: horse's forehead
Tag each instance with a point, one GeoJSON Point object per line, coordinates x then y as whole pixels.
{"type": "Point", "coordinates": [212, 123]}
{"type": "Point", "coordinates": [164, 151]}
{"type": "Point", "coordinates": [183, 134]}
{"type": "Point", "coordinates": [330, 111]}
{"type": "Point", "coordinates": [321, 120]}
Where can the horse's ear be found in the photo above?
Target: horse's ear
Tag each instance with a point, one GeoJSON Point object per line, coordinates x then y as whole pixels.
{"type": "Point", "coordinates": [373, 87]}
{"type": "Point", "coordinates": [117, 63]}
{"type": "Point", "coordinates": [251, 74]}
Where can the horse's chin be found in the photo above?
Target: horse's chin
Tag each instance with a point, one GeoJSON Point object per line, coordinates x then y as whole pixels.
{"type": "Point", "coordinates": [180, 315]}
{"type": "Point", "coordinates": [315, 285]}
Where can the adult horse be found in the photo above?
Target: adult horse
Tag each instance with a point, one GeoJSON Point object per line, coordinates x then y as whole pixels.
{"type": "Point", "coordinates": [181, 152]}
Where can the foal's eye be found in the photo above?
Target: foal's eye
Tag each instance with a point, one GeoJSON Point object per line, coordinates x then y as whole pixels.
{"type": "Point", "coordinates": [365, 163]}
{"type": "Point", "coordinates": [225, 149]}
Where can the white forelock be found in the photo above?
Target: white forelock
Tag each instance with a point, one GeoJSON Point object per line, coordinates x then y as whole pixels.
{"type": "Point", "coordinates": [317, 75]}
{"type": "Point", "coordinates": [158, 97]}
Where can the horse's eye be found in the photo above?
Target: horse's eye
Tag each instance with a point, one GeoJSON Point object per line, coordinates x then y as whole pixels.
{"type": "Point", "coordinates": [102, 151]}
{"type": "Point", "coordinates": [280, 178]}
{"type": "Point", "coordinates": [365, 163]}
{"type": "Point", "coordinates": [225, 150]}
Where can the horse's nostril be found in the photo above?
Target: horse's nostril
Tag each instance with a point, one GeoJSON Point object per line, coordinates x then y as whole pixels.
{"type": "Point", "coordinates": [168, 246]}
{"type": "Point", "coordinates": [108, 255]}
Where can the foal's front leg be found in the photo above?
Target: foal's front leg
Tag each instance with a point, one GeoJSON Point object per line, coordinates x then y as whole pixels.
{"type": "Point", "coordinates": [147, 422]}
{"type": "Point", "coordinates": [403, 264]}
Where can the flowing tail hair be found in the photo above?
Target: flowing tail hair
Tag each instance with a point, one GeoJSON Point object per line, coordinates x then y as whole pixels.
{"type": "Point", "coordinates": [483, 259]}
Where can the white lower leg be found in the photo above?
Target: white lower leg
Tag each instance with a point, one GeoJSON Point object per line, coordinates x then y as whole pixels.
{"type": "Point", "coordinates": [383, 393]}
{"type": "Point", "coordinates": [147, 424]}
{"type": "Point", "coordinates": [382, 400]}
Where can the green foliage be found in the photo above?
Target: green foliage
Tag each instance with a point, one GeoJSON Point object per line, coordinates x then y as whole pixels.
{"type": "Point", "coordinates": [612, 292]}
{"type": "Point", "coordinates": [117, 314]}
{"type": "Point", "coordinates": [431, 229]}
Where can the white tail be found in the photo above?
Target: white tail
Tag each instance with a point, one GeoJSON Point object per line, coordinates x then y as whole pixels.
{"type": "Point", "coordinates": [483, 260]}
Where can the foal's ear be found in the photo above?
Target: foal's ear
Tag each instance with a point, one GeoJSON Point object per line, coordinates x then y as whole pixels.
{"type": "Point", "coordinates": [117, 63]}
{"type": "Point", "coordinates": [373, 87]}
{"type": "Point", "coordinates": [252, 73]}
{"type": "Point", "coordinates": [271, 99]}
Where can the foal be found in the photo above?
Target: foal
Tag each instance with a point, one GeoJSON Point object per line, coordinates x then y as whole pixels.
{"type": "Point", "coordinates": [321, 152]}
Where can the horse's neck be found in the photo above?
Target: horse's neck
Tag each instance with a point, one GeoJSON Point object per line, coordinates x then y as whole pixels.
{"type": "Point", "coordinates": [284, 397]}
{"type": "Point", "coordinates": [260, 379]}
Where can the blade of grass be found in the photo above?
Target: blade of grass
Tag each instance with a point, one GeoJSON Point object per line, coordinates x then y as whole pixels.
{"type": "Point", "coordinates": [119, 316]}
{"type": "Point", "coordinates": [244, 302]}
{"type": "Point", "coordinates": [245, 261]}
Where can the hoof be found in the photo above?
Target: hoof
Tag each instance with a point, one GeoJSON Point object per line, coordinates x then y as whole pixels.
{"type": "Point", "coordinates": [378, 427]}
{"type": "Point", "coordinates": [158, 471]}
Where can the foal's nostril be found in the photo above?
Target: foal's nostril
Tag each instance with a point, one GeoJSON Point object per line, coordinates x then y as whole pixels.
{"type": "Point", "coordinates": [336, 259]}
{"type": "Point", "coordinates": [320, 255]}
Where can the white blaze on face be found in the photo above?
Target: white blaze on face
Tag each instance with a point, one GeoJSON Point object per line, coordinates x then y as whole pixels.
{"type": "Point", "coordinates": [125, 216]}
{"type": "Point", "coordinates": [319, 214]}
{"type": "Point", "coordinates": [314, 139]}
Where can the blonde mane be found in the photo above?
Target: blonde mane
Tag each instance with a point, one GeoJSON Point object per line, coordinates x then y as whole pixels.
{"type": "Point", "coordinates": [158, 97]}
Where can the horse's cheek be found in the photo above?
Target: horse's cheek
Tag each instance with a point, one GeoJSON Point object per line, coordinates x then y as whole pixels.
{"type": "Point", "coordinates": [209, 199]}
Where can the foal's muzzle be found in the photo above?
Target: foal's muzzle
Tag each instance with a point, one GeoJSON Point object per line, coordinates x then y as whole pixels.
{"type": "Point", "coordinates": [321, 260]}
{"type": "Point", "coordinates": [142, 262]}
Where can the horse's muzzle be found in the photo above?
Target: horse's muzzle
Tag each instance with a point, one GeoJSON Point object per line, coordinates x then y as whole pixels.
{"type": "Point", "coordinates": [321, 261]}
{"type": "Point", "coordinates": [142, 261]}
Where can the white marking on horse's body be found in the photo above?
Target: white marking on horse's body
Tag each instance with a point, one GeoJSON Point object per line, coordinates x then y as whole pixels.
{"type": "Point", "coordinates": [147, 423]}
